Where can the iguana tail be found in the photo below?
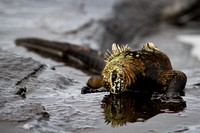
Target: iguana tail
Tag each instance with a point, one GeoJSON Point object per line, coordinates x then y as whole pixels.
{"type": "Point", "coordinates": [91, 58]}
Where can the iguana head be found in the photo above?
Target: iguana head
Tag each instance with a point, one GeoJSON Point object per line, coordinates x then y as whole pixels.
{"type": "Point", "coordinates": [117, 74]}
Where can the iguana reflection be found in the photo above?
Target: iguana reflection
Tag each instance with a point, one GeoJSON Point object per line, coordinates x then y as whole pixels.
{"type": "Point", "coordinates": [123, 108]}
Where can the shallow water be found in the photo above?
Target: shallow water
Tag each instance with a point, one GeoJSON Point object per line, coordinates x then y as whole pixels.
{"type": "Point", "coordinates": [57, 93]}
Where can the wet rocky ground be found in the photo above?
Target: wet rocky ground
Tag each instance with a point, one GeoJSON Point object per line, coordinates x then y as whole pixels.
{"type": "Point", "coordinates": [36, 98]}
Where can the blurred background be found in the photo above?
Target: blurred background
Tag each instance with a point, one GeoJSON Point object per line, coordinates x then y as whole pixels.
{"type": "Point", "coordinates": [173, 25]}
{"type": "Point", "coordinates": [98, 24]}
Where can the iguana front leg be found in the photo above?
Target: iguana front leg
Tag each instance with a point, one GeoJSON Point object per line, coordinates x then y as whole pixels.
{"type": "Point", "coordinates": [172, 82]}
{"type": "Point", "coordinates": [94, 84]}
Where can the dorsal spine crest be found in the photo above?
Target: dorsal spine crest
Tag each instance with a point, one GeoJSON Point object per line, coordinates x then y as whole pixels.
{"type": "Point", "coordinates": [116, 50]}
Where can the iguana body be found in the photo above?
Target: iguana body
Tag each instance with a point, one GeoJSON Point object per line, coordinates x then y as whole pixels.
{"type": "Point", "coordinates": [146, 70]}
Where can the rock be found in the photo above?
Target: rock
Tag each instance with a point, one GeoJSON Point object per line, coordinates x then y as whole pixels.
{"type": "Point", "coordinates": [14, 69]}
{"type": "Point", "coordinates": [19, 76]}
{"type": "Point", "coordinates": [126, 22]}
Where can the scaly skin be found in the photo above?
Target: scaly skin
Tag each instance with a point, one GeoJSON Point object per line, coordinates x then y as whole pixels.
{"type": "Point", "coordinates": [91, 58]}
{"type": "Point", "coordinates": [146, 70]}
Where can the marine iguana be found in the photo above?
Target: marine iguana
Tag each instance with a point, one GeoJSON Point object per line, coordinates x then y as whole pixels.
{"type": "Point", "coordinates": [145, 70]}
